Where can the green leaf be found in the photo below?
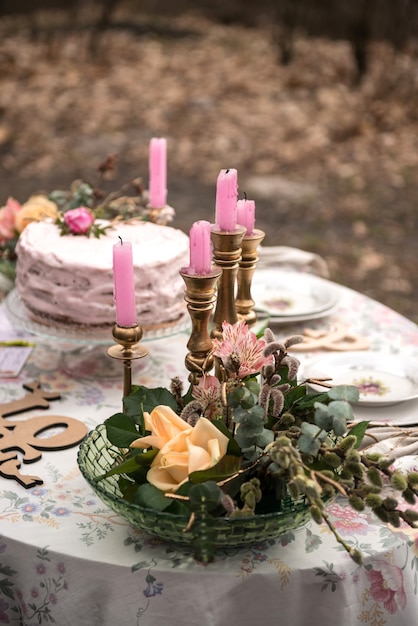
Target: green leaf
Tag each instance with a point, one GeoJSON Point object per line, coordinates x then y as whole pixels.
{"type": "Point", "coordinates": [253, 386]}
{"type": "Point", "coordinates": [323, 419]}
{"type": "Point", "coordinates": [311, 438]}
{"type": "Point", "coordinates": [127, 466]}
{"type": "Point", "coordinates": [344, 392]}
{"type": "Point", "coordinates": [339, 425]}
{"type": "Point", "coordinates": [340, 408]}
{"type": "Point", "coordinates": [152, 498]}
{"type": "Point", "coordinates": [233, 448]}
{"type": "Point", "coordinates": [147, 399]}
{"type": "Point", "coordinates": [248, 400]}
{"type": "Point", "coordinates": [121, 430]}
{"type": "Point", "coordinates": [253, 415]}
{"type": "Point", "coordinates": [236, 396]}
{"type": "Point", "coordinates": [359, 430]}
{"type": "Point", "coordinates": [227, 466]}
{"type": "Point", "coordinates": [264, 438]}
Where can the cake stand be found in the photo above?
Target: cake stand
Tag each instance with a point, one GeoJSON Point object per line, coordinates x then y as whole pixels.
{"type": "Point", "coordinates": [89, 358]}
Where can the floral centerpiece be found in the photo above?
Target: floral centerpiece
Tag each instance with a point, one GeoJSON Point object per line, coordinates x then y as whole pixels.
{"type": "Point", "coordinates": [79, 210]}
{"type": "Point", "coordinates": [247, 441]}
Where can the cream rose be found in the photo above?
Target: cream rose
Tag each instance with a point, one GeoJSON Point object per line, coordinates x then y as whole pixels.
{"type": "Point", "coordinates": [183, 449]}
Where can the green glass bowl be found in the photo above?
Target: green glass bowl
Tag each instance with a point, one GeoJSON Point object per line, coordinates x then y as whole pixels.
{"type": "Point", "coordinates": [96, 455]}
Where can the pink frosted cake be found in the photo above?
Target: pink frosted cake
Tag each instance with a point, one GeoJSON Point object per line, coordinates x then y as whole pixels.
{"type": "Point", "coordinates": [69, 278]}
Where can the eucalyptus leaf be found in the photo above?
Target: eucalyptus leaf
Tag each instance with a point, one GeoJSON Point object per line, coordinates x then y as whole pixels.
{"type": "Point", "coordinates": [344, 392]}
{"type": "Point", "coordinates": [264, 438]}
{"type": "Point", "coordinates": [236, 396]}
{"type": "Point", "coordinates": [339, 425]}
{"type": "Point", "coordinates": [206, 494]}
{"type": "Point", "coordinates": [253, 386]}
{"type": "Point", "coordinates": [248, 400]}
{"type": "Point", "coordinates": [323, 418]}
{"type": "Point", "coordinates": [309, 444]}
{"type": "Point", "coordinates": [340, 408]}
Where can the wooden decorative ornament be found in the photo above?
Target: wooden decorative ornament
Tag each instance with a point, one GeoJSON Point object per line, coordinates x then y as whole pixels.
{"type": "Point", "coordinates": [21, 438]}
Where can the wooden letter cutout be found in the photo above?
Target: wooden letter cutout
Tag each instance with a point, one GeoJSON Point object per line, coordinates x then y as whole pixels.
{"type": "Point", "coordinates": [23, 436]}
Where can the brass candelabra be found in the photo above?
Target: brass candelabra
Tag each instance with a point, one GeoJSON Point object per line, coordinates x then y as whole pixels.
{"type": "Point", "coordinates": [247, 265]}
{"type": "Point", "coordinates": [127, 350]}
{"type": "Point", "coordinates": [226, 256]}
{"type": "Point", "coordinates": [200, 296]}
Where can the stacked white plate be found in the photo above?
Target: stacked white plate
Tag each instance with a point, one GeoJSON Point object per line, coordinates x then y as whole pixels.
{"type": "Point", "coordinates": [287, 296]}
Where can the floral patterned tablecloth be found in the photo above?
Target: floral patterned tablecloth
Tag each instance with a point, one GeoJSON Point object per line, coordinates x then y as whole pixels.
{"type": "Point", "coordinates": [65, 558]}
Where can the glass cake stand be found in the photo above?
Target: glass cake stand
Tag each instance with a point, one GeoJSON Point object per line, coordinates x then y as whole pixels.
{"type": "Point", "coordinates": [89, 359]}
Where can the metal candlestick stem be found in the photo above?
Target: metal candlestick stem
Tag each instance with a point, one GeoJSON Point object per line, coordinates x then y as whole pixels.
{"type": "Point", "coordinates": [200, 297]}
{"type": "Point", "coordinates": [226, 255]}
{"type": "Point", "coordinates": [249, 257]}
{"type": "Point", "coordinates": [127, 350]}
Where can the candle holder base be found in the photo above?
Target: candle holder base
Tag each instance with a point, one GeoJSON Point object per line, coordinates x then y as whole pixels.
{"type": "Point", "coordinates": [91, 363]}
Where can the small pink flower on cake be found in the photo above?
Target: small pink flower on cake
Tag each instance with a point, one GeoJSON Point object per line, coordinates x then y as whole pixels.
{"type": "Point", "coordinates": [79, 221]}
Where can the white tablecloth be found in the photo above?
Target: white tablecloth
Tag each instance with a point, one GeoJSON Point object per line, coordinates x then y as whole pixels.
{"type": "Point", "coordinates": [65, 558]}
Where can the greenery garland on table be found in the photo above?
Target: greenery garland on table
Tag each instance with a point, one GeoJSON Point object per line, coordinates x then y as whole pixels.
{"type": "Point", "coordinates": [239, 445]}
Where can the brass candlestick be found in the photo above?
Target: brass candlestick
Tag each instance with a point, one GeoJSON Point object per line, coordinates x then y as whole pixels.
{"type": "Point", "coordinates": [226, 255]}
{"type": "Point", "coordinates": [249, 257]}
{"type": "Point", "coordinates": [200, 297]}
{"type": "Point", "coordinates": [127, 350]}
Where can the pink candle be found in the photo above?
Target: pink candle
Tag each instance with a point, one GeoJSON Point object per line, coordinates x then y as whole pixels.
{"type": "Point", "coordinates": [246, 214]}
{"type": "Point", "coordinates": [226, 200]}
{"type": "Point", "coordinates": [200, 248]}
{"type": "Point", "coordinates": [123, 274]}
{"type": "Point", "coordinates": [158, 173]}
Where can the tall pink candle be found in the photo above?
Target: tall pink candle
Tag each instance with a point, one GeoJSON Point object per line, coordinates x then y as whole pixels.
{"type": "Point", "coordinates": [246, 214]}
{"type": "Point", "coordinates": [226, 200]}
{"type": "Point", "coordinates": [123, 274]}
{"type": "Point", "coordinates": [158, 173]}
{"type": "Point", "coordinates": [200, 248]}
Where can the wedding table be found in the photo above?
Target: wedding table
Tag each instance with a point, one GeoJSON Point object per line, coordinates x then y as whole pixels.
{"type": "Point", "coordinates": [65, 558]}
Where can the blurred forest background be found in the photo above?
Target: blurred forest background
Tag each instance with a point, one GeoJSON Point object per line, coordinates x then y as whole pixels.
{"type": "Point", "coordinates": [315, 102]}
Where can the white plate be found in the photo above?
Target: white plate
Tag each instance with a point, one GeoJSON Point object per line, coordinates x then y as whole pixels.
{"type": "Point", "coordinates": [292, 296]}
{"type": "Point", "coordinates": [382, 379]}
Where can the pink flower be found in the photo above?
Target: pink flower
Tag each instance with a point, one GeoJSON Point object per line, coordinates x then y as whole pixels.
{"type": "Point", "coordinates": [240, 351]}
{"type": "Point", "coordinates": [79, 220]}
{"type": "Point", "coordinates": [7, 220]}
{"type": "Point", "coordinates": [387, 585]}
{"type": "Point", "coordinates": [208, 392]}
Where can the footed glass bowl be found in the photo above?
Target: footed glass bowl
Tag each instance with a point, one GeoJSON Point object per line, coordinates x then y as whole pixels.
{"type": "Point", "coordinates": [96, 455]}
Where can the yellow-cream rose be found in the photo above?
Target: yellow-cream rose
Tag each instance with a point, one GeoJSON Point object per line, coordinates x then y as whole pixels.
{"type": "Point", "coordinates": [183, 449]}
{"type": "Point", "coordinates": [36, 209]}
